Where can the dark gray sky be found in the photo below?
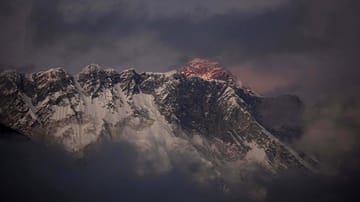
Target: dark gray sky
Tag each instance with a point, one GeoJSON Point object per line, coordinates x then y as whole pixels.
{"type": "Point", "coordinates": [272, 45]}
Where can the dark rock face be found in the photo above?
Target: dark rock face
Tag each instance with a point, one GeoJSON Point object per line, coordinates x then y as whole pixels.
{"type": "Point", "coordinates": [93, 79]}
{"type": "Point", "coordinates": [7, 133]}
{"type": "Point", "coordinates": [218, 111]}
{"type": "Point", "coordinates": [281, 115]}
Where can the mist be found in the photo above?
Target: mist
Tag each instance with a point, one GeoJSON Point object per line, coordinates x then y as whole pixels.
{"type": "Point", "coordinates": [35, 171]}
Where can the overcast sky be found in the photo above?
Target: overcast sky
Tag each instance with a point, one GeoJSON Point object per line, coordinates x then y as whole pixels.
{"type": "Point", "coordinates": [272, 45]}
{"type": "Point", "coordinates": [305, 47]}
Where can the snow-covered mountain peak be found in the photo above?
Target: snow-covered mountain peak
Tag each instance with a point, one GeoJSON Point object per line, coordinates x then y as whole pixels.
{"type": "Point", "coordinates": [128, 72]}
{"type": "Point", "coordinates": [52, 74]}
{"type": "Point", "coordinates": [8, 73]}
{"type": "Point", "coordinates": [91, 68]}
{"type": "Point", "coordinates": [53, 70]}
{"type": "Point", "coordinates": [209, 70]}
{"type": "Point", "coordinates": [203, 65]}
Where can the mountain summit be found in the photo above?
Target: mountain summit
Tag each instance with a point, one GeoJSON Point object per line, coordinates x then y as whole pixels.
{"type": "Point", "coordinates": [210, 70]}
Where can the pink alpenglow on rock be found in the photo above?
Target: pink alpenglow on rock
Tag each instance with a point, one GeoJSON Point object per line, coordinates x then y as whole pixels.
{"type": "Point", "coordinates": [208, 70]}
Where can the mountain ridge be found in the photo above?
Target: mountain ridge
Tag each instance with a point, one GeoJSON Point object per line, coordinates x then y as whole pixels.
{"type": "Point", "coordinates": [166, 116]}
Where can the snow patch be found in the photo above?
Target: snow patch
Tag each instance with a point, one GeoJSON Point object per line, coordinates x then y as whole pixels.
{"type": "Point", "coordinates": [256, 153]}
{"type": "Point", "coordinates": [197, 140]}
{"type": "Point", "coordinates": [32, 108]}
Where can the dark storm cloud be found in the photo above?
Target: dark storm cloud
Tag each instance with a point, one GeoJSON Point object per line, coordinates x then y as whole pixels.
{"type": "Point", "coordinates": [317, 55]}
{"type": "Point", "coordinates": [160, 34]}
{"type": "Point", "coordinates": [299, 187]}
{"type": "Point", "coordinates": [74, 33]}
{"type": "Point", "coordinates": [30, 171]}
{"type": "Point", "coordinates": [332, 24]}
{"type": "Point", "coordinates": [319, 62]}
{"type": "Point", "coordinates": [33, 172]}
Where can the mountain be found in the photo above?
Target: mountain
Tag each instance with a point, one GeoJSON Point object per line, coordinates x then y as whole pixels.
{"type": "Point", "coordinates": [209, 70]}
{"type": "Point", "coordinates": [200, 114]}
{"type": "Point", "coordinates": [281, 115]}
